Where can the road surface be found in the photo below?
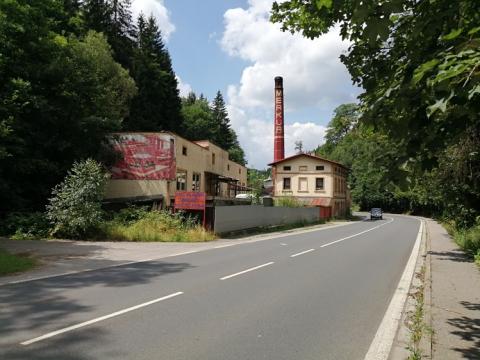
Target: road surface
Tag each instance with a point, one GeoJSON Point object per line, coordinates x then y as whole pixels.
{"type": "Point", "coordinates": [316, 295]}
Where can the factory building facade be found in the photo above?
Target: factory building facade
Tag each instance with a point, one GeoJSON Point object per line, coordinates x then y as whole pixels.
{"type": "Point", "coordinates": [155, 166]}
{"type": "Point", "coordinates": [312, 180]}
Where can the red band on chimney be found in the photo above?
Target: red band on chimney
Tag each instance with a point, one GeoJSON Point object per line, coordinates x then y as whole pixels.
{"type": "Point", "coordinates": [278, 135]}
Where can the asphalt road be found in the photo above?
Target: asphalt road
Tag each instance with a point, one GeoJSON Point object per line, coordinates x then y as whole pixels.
{"type": "Point", "coordinates": [317, 295]}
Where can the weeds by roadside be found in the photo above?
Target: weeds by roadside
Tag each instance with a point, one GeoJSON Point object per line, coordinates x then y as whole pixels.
{"type": "Point", "coordinates": [415, 319]}
{"type": "Point", "coordinates": [10, 263]}
{"type": "Point", "coordinates": [467, 239]}
{"type": "Point", "coordinates": [137, 224]}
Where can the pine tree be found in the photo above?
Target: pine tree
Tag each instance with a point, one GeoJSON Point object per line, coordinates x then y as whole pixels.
{"type": "Point", "coordinates": [114, 19]}
{"type": "Point", "coordinates": [224, 136]}
{"type": "Point", "coordinates": [157, 106]}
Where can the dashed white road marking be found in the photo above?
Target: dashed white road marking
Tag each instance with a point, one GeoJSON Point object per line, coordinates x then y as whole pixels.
{"type": "Point", "coordinates": [360, 233]}
{"type": "Point", "coordinates": [93, 321]}
{"type": "Point", "coordinates": [248, 270]}
{"type": "Point", "coordinates": [301, 253]}
{"type": "Point", "coordinates": [283, 244]}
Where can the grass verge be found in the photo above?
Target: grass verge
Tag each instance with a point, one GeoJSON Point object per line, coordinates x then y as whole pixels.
{"type": "Point", "coordinates": [467, 239]}
{"type": "Point", "coordinates": [153, 226]}
{"type": "Point", "coordinates": [10, 263]}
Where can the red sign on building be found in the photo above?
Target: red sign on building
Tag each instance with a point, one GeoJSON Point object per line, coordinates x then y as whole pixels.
{"type": "Point", "coordinates": [145, 157]}
{"type": "Point", "coordinates": [190, 200]}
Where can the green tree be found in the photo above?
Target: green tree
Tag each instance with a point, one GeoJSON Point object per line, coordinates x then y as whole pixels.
{"type": "Point", "coordinates": [417, 62]}
{"type": "Point", "coordinates": [113, 18]}
{"type": "Point", "coordinates": [75, 209]}
{"type": "Point", "coordinates": [59, 96]}
{"type": "Point", "coordinates": [199, 123]}
{"type": "Point", "coordinates": [157, 105]}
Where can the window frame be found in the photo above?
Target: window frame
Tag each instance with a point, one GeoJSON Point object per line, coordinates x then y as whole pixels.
{"type": "Point", "coordinates": [317, 188]}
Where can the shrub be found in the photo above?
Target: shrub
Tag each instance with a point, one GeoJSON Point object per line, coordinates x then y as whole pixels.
{"type": "Point", "coordinates": [26, 226]}
{"type": "Point", "coordinates": [75, 208]}
{"type": "Point", "coordinates": [154, 226]}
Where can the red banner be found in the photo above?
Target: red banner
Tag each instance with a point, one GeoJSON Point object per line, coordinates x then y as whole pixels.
{"type": "Point", "coordinates": [145, 157]}
{"type": "Point", "coordinates": [190, 200]}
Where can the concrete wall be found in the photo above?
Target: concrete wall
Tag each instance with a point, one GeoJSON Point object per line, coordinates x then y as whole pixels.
{"type": "Point", "coordinates": [232, 218]}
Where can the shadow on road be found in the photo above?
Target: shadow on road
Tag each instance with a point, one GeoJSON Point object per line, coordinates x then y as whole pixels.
{"type": "Point", "coordinates": [27, 307]}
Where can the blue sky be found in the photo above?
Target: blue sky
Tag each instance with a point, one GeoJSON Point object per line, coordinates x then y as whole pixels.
{"type": "Point", "coordinates": [229, 45]}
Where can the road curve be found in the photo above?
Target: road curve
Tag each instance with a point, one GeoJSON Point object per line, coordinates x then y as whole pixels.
{"type": "Point", "coordinates": [316, 295]}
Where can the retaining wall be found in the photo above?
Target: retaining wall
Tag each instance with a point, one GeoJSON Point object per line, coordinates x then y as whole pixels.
{"type": "Point", "coordinates": [232, 218]}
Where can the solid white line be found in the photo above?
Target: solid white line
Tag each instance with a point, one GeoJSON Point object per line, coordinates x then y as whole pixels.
{"type": "Point", "coordinates": [301, 253]}
{"type": "Point", "coordinates": [382, 343]}
{"type": "Point", "coordinates": [74, 327]}
{"type": "Point", "coordinates": [360, 233]}
{"type": "Point", "coordinates": [224, 246]}
{"type": "Point", "coordinates": [245, 271]}
{"type": "Point", "coordinates": [184, 253]}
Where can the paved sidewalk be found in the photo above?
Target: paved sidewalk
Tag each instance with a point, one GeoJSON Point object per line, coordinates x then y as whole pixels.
{"type": "Point", "coordinates": [455, 298]}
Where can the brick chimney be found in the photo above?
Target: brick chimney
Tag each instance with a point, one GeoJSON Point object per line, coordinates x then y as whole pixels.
{"type": "Point", "coordinates": [278, 135]}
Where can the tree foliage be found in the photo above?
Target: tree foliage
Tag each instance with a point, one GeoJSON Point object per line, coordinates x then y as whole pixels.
{"type": "Point", "coordinates": [59, 96]}
{"type": "Point", "coordinates": [75, 207]}
{"type": "Point", "coordinates": [417, 62]}
{"type": "Point", "coordinates": [157, 105]}
{"type": "Point", "coordinates": [203, 121]}
{"type": "Point", "coordinates": [71, 72]}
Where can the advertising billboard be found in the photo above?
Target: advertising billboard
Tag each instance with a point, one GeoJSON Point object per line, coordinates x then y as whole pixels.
{"type": "Point", "coordinates": [144, 156]}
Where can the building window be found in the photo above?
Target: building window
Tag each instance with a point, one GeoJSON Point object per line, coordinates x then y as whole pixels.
{"type": "Point", "coordinates": [239, 170]}
{"type": "Point", "coordinates": [228, 167]}
{"type": "Point", "coordinates": [286, 184]}
{"type": "Point", "coordinates": [181, 180]}
{"type": "Point", "coordinates": [319, 167]}
{"type": "Point", "coordinates": [303, 168]}
{"type": "Point", "coordinates": [184, 150]}
{"type": "Point", "coordinates": [196, 182]}
{"type": "Point", "coordinates": [303, 184]}
{"type": "Point", "coordinates": [287, 168]}
{"type": "Point", "coordinates": [213, 159]}
{"type": "Point", "coordinates": [319, 184]}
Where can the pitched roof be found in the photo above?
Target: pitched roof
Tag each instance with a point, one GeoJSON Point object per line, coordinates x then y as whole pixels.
{"type": "Point", "coordinates": [309, 156]}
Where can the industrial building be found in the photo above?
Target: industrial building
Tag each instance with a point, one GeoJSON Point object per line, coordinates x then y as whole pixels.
{"type": "Point", "coordinates": [312, 180]}
{"type": "Point", "coordinates": [155, 166]}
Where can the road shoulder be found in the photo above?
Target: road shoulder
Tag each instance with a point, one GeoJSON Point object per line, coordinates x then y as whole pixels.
{"type": "Point", "coordinates": [450, 303]}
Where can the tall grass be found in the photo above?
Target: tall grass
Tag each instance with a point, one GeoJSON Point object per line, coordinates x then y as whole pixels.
{"type": "Point", "coordinates": [467, 239]}
{"type": "Point", "coordinates": [288, 201]}
{"type": "Point", "coordinates": [154, 226]}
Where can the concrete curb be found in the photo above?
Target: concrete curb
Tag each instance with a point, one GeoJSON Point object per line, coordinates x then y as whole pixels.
{"type": "Point", "coordinates": [402, 340]}
{"type": "Point", "coordinates": [427, 339]}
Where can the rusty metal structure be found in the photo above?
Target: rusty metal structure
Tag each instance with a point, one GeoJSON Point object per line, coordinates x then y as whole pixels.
{"type": "Point", "coordinates": [278, 136]}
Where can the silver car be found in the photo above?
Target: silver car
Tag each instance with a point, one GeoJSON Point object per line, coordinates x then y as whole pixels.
{"type": "Point", "coordinates": [376, 213]}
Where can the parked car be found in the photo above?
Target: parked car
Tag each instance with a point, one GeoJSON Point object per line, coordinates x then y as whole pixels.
{"type": "Point", "coordinates": [376, 213]}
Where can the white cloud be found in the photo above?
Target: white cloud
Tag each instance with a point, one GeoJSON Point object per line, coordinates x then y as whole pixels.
{"type": "Point", "coordinates": [158, 9]}
{"type": "Point", "coordinates": [184, 88]}
{"type": "Point", "coordinates": [313, 78]}
{"type": "Point", "coordinates": [256, 136]}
